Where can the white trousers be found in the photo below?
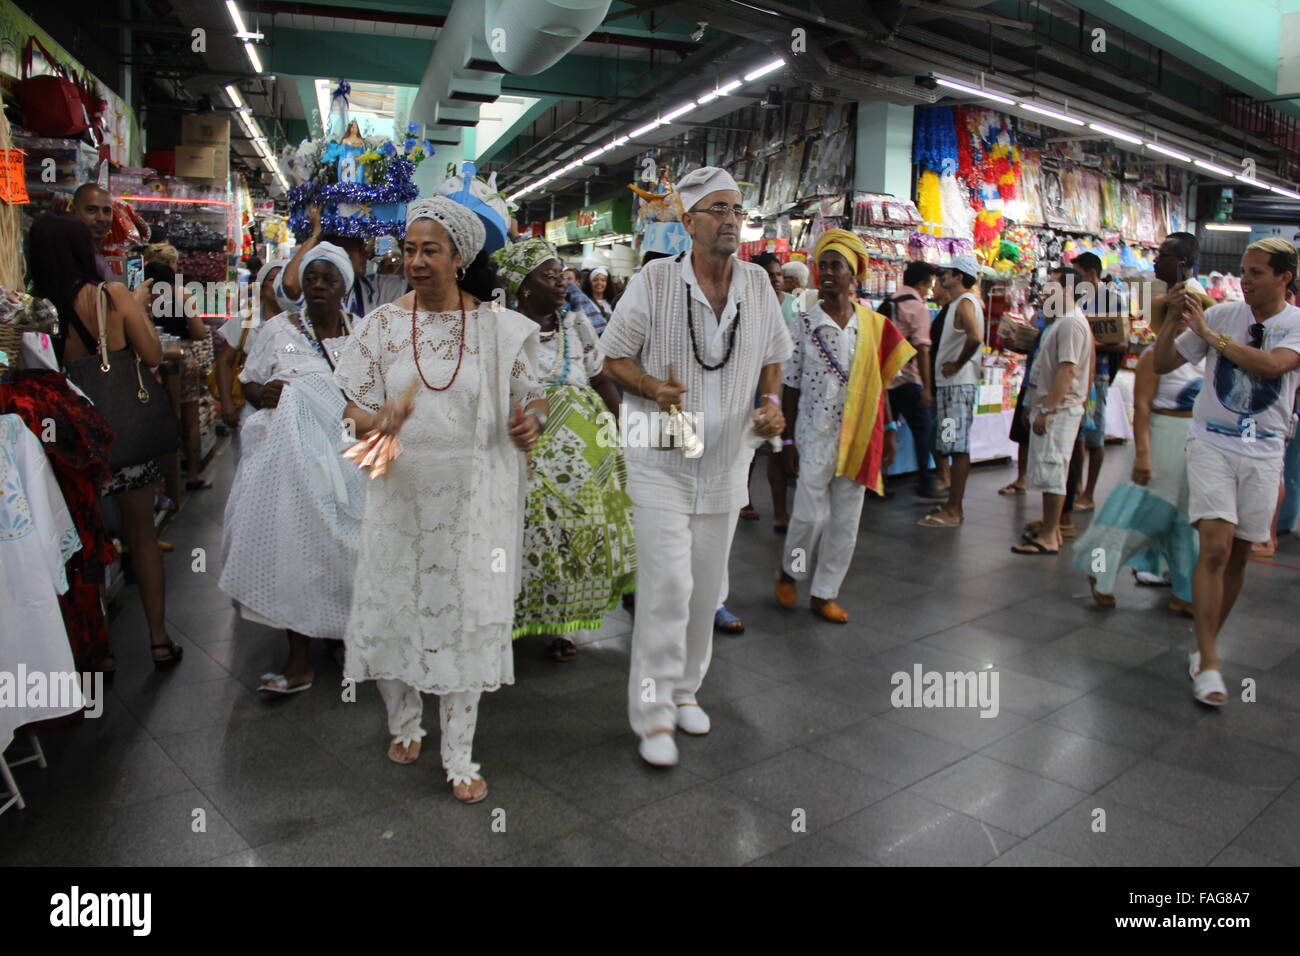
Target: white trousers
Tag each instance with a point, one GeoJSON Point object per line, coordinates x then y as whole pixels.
{"type": "Point", "coordinates": [725, 588]}
{"type": "Point", "coordinates": [823, 529]}
{"type": "Point", "coordinates": [680, 560]}
{"type": "Point", "coordinates": [457, 716]}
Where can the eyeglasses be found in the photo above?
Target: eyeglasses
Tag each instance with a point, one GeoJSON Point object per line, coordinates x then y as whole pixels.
{"type": "Point", "coordinates": [1257, 335]}
{"type": "Point", "coordinates": [720, 210]}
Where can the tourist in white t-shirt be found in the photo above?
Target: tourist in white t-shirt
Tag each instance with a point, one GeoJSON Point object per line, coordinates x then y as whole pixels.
{"type": "Point", "coordinates": [1239, 426]}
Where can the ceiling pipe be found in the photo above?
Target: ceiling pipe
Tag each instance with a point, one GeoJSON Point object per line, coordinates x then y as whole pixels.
{"type": "Point", "coordinates": [529, 36]}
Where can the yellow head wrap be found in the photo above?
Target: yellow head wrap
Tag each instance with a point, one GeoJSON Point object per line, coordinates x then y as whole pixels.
{"type": "Point", "coordinates": [846, 244]}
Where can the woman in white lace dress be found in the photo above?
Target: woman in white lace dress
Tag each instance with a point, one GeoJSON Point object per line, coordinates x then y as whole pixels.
{"type": "Point", "coordinates": [433, 599]}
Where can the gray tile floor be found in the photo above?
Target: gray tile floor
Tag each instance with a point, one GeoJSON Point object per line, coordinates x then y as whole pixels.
{"type": "Point", "coordinates": [808, 762]}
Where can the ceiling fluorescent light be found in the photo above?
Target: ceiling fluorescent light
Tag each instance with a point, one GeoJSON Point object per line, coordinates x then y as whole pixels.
{"type": "Point", "coordinates": [733, 85]}
{"type": "Point", "coordinates": [973, 91]}
{"type": "Point", "coordinates": [593, 154]}
{"type": "Point", "coordinates": [763, 70]}
{"type": "Point", "coordinates": [707, 98]}
{"type": "Point", "coordinates": [232, 92]}
{"type": "Point", "coordinates": [1117, 133]}
{"type": "Point", "coordinates": [681, 110]}
{"type": "Point", "coordinates": [1169, 152]}
{"type": "Point", "coordinates": [645, 129]}
{"type": "Point", "coordinates": [252, 56]}
{"type": "Point", "coordinates": [1251, 181]}
{"type": "Point", "coordinates": [1289, 193]}
{"type": "Point", "coordinates": [1227, 227]}
{"type": "Point", "coordinates": [236, 17]}
{"type": "Point", "coordinates": [1213, 168]}
{"type": "Point", "coordinates": [1052, 113]}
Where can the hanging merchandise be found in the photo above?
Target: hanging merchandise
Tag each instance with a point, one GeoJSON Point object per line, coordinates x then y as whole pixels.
{"type": "Point", "coordinates": [934, 144]}
{"type": "Point", "coordinates": [955, 205]}
{"type": "Point", "coordinates": [929, 202]}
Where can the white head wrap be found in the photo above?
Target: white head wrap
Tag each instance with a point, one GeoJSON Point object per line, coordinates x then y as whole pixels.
{"type": "Point", "coordinates": [266, 271]}
{"type": "Point", "coordinates": [698, 183]}
{"type": "Point", "coordinates": [797, 269]}
{"type": "Point", "coordinates": [598, 271]}
{"type": "Point", "coordinates": [336, 257]}
{"type": "Point", "coordinates": [465, 227]}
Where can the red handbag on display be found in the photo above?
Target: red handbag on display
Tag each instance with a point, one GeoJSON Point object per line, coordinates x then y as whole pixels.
{"type": "Point", "coordinates": [53, 104]}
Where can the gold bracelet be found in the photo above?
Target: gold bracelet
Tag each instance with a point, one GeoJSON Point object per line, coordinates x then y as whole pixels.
{"type": "Point", "coordinates": [1222, 343]}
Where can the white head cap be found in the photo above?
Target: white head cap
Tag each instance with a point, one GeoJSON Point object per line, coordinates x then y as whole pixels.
{"type": "Point", "coordinates": [465, 227]}
{"type": "Point", "coordinates": [698, 183]}
{"type": "Point", "coordinates": [798, 270]}
{"type": "Point", "coordinates": [336, 257]}
{"type": "Point", "coordinates": [966, 263]}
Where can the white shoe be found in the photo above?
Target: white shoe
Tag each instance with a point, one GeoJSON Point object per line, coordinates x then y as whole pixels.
{"type": "Point", "coordinates": [659, 750]}
{"type": "Point", "coordinates": [692, 719]}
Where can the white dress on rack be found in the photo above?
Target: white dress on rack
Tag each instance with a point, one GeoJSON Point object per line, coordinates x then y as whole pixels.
{"type": "Point", "coordinates": [433, 601]}
{"type": "Point", "coordinates": [37, 537]}
{"type": "Point", "coordinates": [293, 519]}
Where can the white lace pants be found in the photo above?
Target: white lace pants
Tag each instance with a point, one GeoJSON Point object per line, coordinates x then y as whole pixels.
{"type": "Point", "coordinates": [457, 716]}
{"type": "Point", "coordinates": [680, 558]}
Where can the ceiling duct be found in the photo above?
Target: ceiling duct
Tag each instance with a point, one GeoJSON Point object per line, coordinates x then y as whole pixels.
{"type": "Point", "coordinates": [529, 36]}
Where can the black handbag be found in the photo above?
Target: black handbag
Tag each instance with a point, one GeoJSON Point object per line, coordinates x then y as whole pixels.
{"type": "Point", "coordinates": [132, 400]}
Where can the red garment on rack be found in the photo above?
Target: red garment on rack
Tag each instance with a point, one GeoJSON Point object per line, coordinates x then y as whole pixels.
{"type": "Point", "coordinates": [76, 439]}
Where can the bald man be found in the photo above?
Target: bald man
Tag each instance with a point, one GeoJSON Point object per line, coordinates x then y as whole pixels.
{"type": "Point", "coordinates": [94, 206]}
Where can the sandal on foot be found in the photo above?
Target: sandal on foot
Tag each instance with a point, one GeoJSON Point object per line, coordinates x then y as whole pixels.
{"type": "Point", "coordinates": [1033, 548]}
{"type": "Point", "coordinates": [279, 684]}
{"type": "Point", "coordinates": [1084, 505]}
{"type": "Point", "coordinates": [468, 787]}
{"type": "Point", "coordinates": [1012, 489]}
{"type": "Point", "coordinates": [780, 527]}
{"type": "Point", "coordinates": [934, 521]}
{"type": "Point", "coordinates": [197, 484]}
{"type": "Point", "coordinates": [403, 753]}
{"type": "Point", "coordinates": [748, 513]}
{"type": "Point", "coordinates": [1181, 608]}
{"type": "Point", "coordinates": [724, 620]}
{"type": "Point", "coordinates": [1100, 597]}
{"type": "Point", "coordinates": [172, 659]}
{"type": "Point", "coordinates": [1206, 683]}
{"type": "Point", "coordinates": [563, 650]}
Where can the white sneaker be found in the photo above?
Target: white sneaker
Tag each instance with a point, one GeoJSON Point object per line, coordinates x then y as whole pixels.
{"type": "Point", "coordinates": [659, 750]}
{"type": "Point", "coordinates": [692, 719]}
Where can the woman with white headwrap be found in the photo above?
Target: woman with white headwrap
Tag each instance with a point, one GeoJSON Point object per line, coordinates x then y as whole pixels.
{"type": "Point", "coordinates": [599, 288]}
{"type": "Point", "coordinates": [293, 519]}
{"type": "Point", "coordinates": [240, 334]}
{"type": "Point", "coordinates": [433, 600]}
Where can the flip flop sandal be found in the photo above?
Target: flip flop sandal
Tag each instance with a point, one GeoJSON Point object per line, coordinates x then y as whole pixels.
{"type": "Point", "coordinates": [412, 749]}
{"type": "Point", "coordinates": [748, 513]}
{"type": "Point", "coordinates": [931, 521]}
{"type": "Point", "coordinates": [280, 685]}
{"type": "Point", "coordinates": [1036, 549]}
{"type": "Point", "coordinates": [1206, 683]}
{"type": "Point", "coordinates": [1090, 506]}
{"type": "Point", "coordinates": [780, 528]}
{"type": "Point", "coordinates": [1011, 490]}
{"type": "Point", "coordinates": [724, 620]}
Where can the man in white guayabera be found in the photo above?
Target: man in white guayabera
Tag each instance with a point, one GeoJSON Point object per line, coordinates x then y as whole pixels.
{"type": "Point", "coordinates": [712, 320]}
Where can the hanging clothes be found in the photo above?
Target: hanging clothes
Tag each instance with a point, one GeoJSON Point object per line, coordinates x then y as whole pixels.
{"type": "Point", "coordinates": [37, 537]}
{"type": "Point", "coordinates": [75, 438]}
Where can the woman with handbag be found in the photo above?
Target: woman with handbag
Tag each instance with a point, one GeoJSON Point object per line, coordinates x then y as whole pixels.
{"type": "Point", "coordinates": [108, 356]}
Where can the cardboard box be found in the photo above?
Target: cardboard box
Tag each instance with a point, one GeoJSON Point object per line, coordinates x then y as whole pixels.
{"type": "Point", "coordinates": [195, 162]}
{"type": "Point", "coordinates": [206, 129]}
{"type": "Point", "coordinates": [1109, 330]}
{"type": "Point", "coordinates": [220, 162]}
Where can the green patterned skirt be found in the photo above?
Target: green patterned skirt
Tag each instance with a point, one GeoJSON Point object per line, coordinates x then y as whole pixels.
{"type": "Point", "coordinates": [579, 557]}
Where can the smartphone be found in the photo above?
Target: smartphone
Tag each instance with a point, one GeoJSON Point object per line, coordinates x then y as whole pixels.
{"type": "Point", "coordinates": [134, 271]}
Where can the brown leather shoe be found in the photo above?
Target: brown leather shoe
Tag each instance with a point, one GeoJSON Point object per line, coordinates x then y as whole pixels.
{"type": "Point", "coordinates": [829, 610]}
{"type": "Point", "coordinates": [787, 592]}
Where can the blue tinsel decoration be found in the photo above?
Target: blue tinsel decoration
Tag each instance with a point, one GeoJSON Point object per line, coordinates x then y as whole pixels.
{"type": "Point", "coordinates": [398, 189]}
{"type": "Point", "coordinates": [934, 141]}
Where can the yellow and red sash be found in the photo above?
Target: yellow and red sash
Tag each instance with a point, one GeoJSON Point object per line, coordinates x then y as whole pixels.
{"type": "Point", "coordinates": [881, 352]}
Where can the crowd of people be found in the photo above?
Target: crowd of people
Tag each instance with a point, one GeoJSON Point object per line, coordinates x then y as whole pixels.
{"type": "Point", "coordinates": [502, 507]}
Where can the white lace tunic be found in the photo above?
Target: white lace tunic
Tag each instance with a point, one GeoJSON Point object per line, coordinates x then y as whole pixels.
{"type": "Point", "coordinates": [433, 599]}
